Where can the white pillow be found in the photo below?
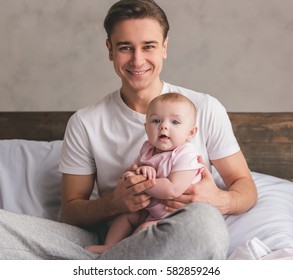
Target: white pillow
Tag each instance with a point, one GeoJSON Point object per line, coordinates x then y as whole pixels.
{"type": "Point", "coordinates": [270, 220]}
{"type": "Point", "coordinates": [29, 177]}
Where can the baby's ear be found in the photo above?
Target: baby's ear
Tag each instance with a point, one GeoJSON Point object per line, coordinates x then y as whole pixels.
{"type": "Point", "coordinates": [192, 132]}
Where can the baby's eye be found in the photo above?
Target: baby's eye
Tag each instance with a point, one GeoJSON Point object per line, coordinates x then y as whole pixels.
{"type": "Point", "coordinates": [175, 122]}
{"type": "Point", "coordinates": [156, 121]}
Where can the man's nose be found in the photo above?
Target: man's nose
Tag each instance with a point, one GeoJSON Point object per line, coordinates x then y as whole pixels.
{"type": "Point", "coordinates": [137, 59]}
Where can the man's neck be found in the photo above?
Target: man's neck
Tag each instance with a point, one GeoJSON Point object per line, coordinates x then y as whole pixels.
{"type": "Point", "coordinates": [139, 100]}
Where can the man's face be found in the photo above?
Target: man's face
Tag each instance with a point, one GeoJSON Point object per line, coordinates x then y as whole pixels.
{"type": "Point", "coordinates": [137, 49]}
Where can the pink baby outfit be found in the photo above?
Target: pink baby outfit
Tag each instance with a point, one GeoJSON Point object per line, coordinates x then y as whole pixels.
{"type": "Point", "coordinates": [183, 157]}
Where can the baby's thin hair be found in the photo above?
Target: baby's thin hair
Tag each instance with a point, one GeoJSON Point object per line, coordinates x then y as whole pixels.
{"type": "Point", "coordinates": [173, 97]}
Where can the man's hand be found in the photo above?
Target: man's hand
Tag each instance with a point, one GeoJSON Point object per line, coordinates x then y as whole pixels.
{"type": "Point", "coordinates": [204, 191]}
{"type": "Point", "coordinates": [129, 194]}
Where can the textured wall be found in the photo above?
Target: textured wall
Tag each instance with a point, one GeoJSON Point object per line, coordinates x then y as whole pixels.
{"type": "Point", "coordinates": [53, 54]}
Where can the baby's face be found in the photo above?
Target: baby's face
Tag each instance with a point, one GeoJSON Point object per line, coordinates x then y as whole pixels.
{"type": "Point", "coordinates": [170, 124]}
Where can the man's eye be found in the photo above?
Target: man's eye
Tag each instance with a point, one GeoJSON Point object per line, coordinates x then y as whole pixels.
{"type": "Point", "coordinates": [148, 47]}
{"type": "Point", "coordinates": [126, 48]}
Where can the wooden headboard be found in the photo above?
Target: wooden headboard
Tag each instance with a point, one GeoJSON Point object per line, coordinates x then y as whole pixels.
{"type": "Point", "coordinates": [266, 139]}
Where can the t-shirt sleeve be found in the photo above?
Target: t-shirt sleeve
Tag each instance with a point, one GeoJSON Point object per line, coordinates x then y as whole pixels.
{"type": "Point", "coordinates": [76, 157]}
{"type": "Point", "coordinates": [221, 141]}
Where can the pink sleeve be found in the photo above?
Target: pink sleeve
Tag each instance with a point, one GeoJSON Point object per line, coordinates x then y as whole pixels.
{"type": "Point", "coordinates": [185, 158]}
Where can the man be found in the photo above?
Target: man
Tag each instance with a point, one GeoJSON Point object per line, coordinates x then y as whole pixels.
{"type": "Point", "coordinates": [103, 139]}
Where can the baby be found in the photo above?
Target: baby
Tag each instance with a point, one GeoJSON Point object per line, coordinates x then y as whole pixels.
{"type": "Point", "coordinates": [166, 157]}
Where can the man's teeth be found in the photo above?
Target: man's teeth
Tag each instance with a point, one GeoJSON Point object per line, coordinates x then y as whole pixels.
{"type": "Point", "coordinates": [137, 72]}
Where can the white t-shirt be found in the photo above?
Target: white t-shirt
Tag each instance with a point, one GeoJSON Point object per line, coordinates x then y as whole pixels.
{"type": "Point", "coordinates": [106, 138]}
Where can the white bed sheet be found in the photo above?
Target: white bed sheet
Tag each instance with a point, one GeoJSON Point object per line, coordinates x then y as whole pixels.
{"type": "Point", "coordinates": [256, 250]}
{"type": "Point", "coordinates": [269, 224]}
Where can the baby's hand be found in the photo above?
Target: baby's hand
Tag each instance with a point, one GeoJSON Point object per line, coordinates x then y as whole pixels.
{"type": "Point", "coordinates": [147, 171]}
{"type": "Point", "coordinates": [127, 174]}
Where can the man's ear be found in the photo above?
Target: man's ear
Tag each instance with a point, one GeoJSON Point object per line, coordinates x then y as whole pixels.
{"type": "Point", "coordinates": [110, 49]}
{"type": "Point", "coordinates": [165, 45]}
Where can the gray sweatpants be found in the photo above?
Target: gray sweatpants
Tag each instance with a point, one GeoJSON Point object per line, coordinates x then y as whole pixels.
{"type": "Point", "coordinates": [197, 231]}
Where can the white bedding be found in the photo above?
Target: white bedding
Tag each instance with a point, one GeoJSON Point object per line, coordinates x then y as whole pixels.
{"type": "Point", "coordinates": [30, 184]}
{"type": "Point", "coordinates": [270, 221]}
{"type": "Point", "coordinates": [29, 177]}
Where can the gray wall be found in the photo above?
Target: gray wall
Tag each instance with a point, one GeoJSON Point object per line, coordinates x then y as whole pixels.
{"type": "Point", "coordinates": [53, 54]}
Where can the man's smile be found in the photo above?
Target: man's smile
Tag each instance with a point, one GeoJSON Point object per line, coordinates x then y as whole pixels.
{"type": "Point", "coordinates": [137, 73]}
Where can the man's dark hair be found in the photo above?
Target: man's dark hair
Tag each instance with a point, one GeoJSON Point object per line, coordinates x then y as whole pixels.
{"type": "Point", "coordinates": [135, 9]}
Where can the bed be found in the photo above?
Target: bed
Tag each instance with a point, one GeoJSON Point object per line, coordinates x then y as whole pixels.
{"type": "Point", "coordinates": [30, 144]}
